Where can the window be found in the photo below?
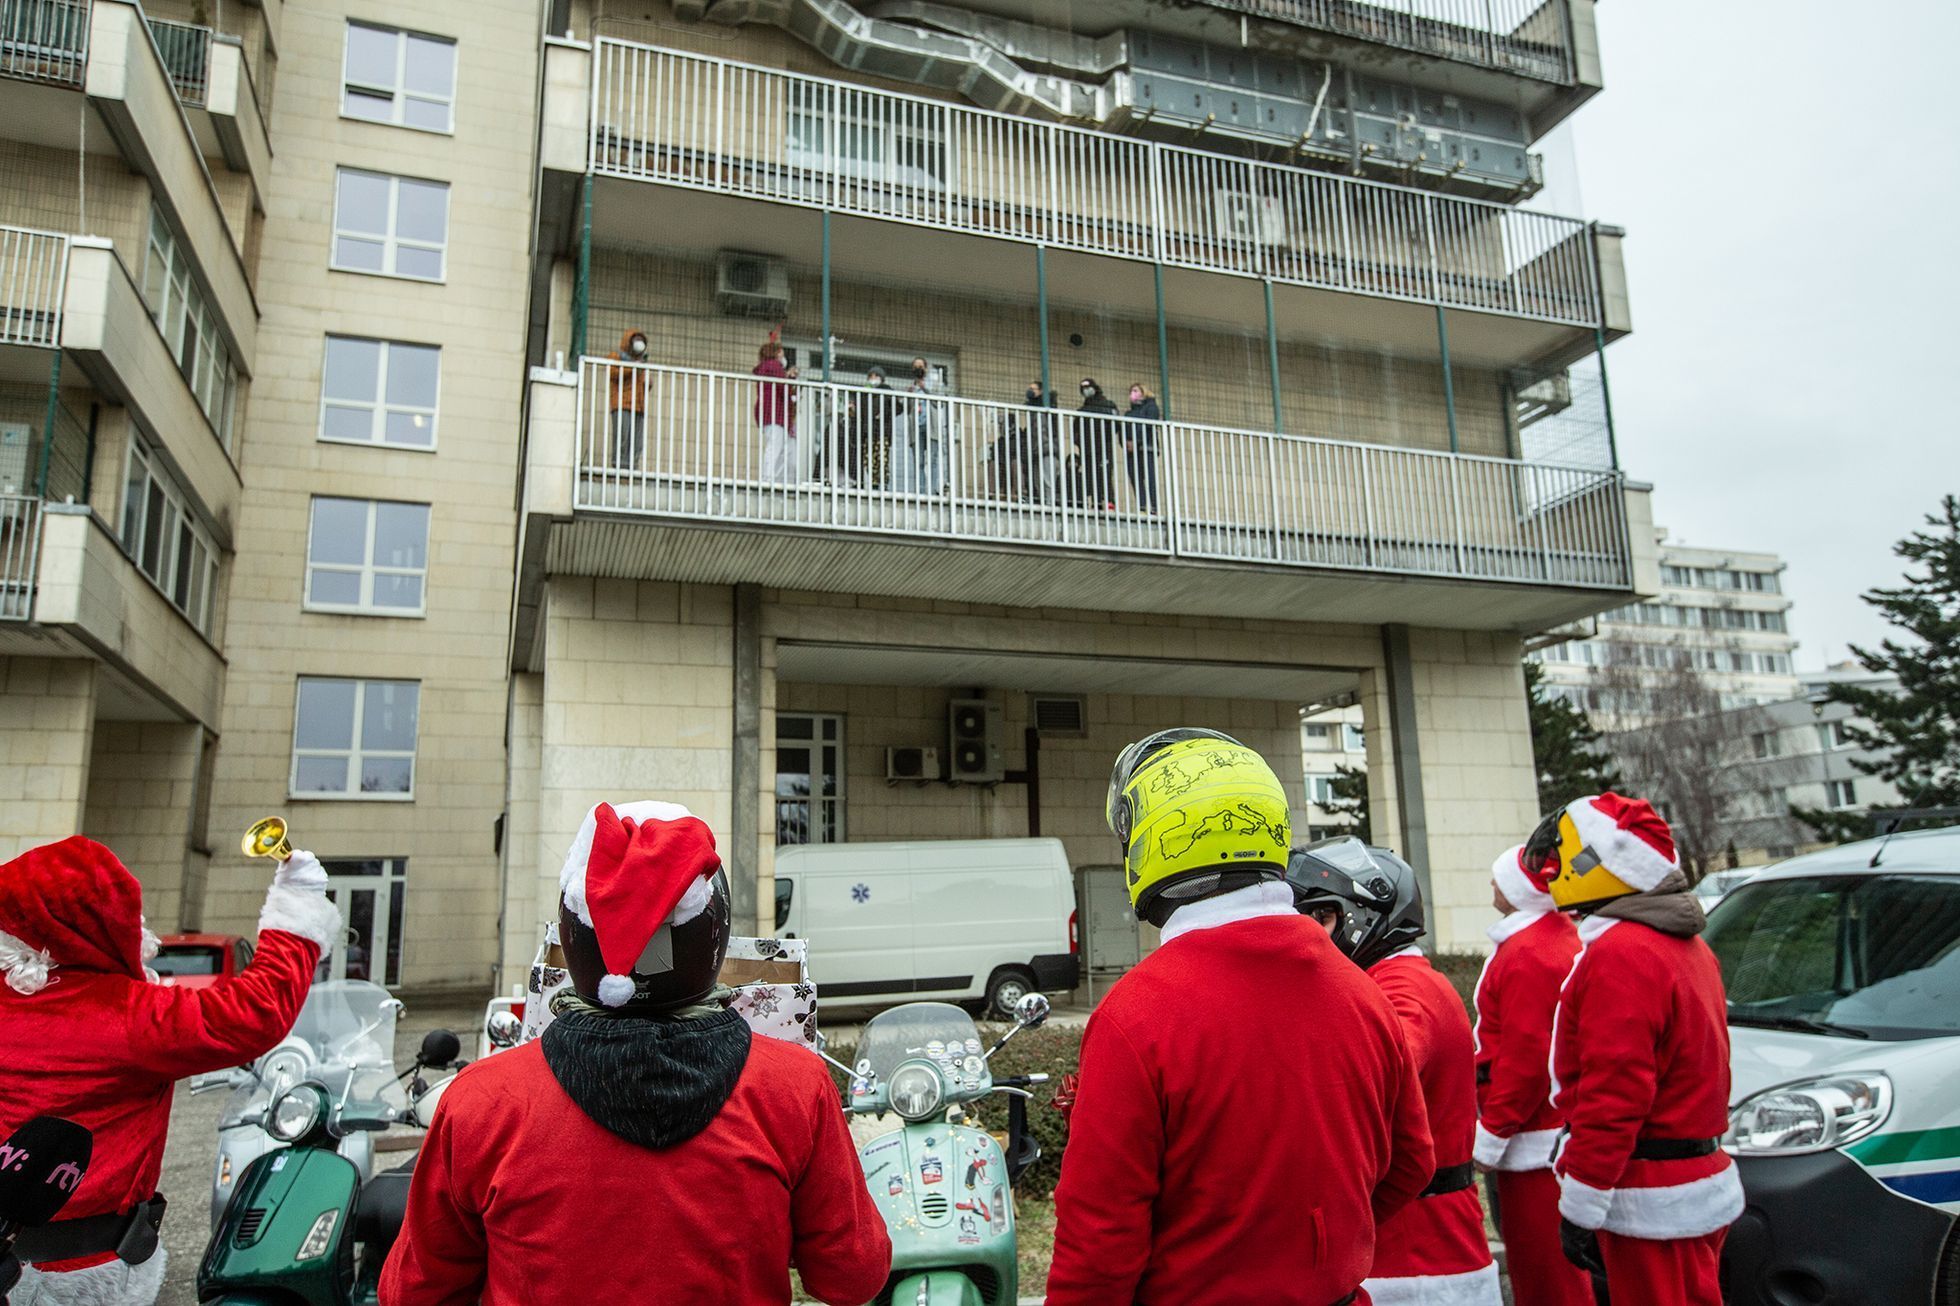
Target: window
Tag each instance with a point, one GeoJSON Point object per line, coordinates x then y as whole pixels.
{"type": "Point", "coordinates": [809, 778]}
{"type": "Point", "coordinates": [380, 392]}
{"type": "Point", "coordinates": [1766, 744]}
{"type": "Point", "coordinates": [354, 738]}
{"type": "Point", "coordinates": [1840, 793]}
{"type": "Point", "coordinates": [163, 538]}
{"type": "Point", "coordinates": [908, 149]}
{"type": "Point", "coordinates": [1841, 735]}
{"type": "Point", "coordinates": [372, 894]}
{"type": "Point", "coordinates": [1320, 789]}
{"type": "Point", "coordinates": [402, 78]}
{"type": "Point", "coordinates": [367, 556]}
{"type": "Point", "coordinates": [189, 328]}
{"type": "Point", "coordinates": [1353, 739]}
{"type": "Point", "coordinates": [394, 226]}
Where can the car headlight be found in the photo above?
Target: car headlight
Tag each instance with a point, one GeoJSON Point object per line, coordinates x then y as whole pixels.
{"type": "Point", "coordinates": [915, 1090]}
{"type": "Point", "coordinates": [296, 1113]}
{"type": "Point", "coordinates": [1813, 1116]}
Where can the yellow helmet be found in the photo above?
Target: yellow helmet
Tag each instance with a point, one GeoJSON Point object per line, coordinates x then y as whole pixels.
{"type": "Point", "coordinates": [1601, 847]}
{"type": "Point", "coordinates": [1195, 811]}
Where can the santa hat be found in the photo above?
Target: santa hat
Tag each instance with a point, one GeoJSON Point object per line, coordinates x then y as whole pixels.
{"type": "Point", "coordinates": [634, 869]}
{"type": "Point", "coordinates": [1629, 838]}
{"type": "Point", "coordinates": [1522, 887]}
{"type": "Point", "coordinates": [70, 903]}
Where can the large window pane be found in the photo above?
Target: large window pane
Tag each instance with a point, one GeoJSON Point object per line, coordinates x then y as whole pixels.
{"type": "Point", "coordinates": [422, 211]}
{"type": "Point", "coordinates": [353, 368]}
{"type": "Point", "coordinates": [388, 716]}
{"type": "Point", "coordinates": [326, 714]}
{"type": "Point", "coordinates": [339, 533]}
{"type": "Point", "coordinates": [401, 534]}
{"type": "Point", "coordinates": [431, 66]}
{"type": "Point", "coordinates": [371, 55]}
{"type": "Point", "coordinates": [362, 204]}
{"type": "Point", "coordinates": [412, 372]}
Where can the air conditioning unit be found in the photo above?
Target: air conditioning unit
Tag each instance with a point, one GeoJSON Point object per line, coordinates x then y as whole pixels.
{"type": "Point", "coordinates": [920, 764]}
{"type": "Point", "coordinates": [751, 285]}
{"type": "Point", "coordinates": [1244, 216]}
{"type": "Point", "coordinates": [973, 729]}
{"type": "Point", "coordinates": [1061, 715]}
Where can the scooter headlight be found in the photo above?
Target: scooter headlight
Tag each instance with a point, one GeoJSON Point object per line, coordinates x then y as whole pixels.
{"type": "Point", "coordinates": [1812, 1116]}
{"type": "Point", "coordinates": [296, 1113]}
{"type": "Point", "coordinates": [915, 1090]}
{"type": "Point", "coordinates": [281, 1070]}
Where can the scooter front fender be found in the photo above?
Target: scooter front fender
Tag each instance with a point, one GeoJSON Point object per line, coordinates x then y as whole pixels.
{"type": "Point", "coordinates": [936, 1288]}
{"type": "Point", "coordinates": [281, 1199]}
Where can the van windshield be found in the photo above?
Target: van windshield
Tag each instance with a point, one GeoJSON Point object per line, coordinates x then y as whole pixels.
{"type": "Point", "coordinates": [1873, 956]}
{"type": "Point", "coordinates": [938, 1032]}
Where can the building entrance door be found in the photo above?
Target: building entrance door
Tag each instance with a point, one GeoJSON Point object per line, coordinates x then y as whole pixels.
{"type": "Point", "coordinates": [371, 896]}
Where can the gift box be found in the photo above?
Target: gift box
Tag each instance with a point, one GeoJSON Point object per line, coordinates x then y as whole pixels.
{"type": "Point", "coordinates": [548, 976]}
{"type": "Point", "coordinates": [773, 992]}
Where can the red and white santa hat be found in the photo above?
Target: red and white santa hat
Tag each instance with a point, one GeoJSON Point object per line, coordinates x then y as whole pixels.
{"type": "Point", "coordinates": [1629, 838]}
{"type": "Point", "coordinates": [632, 869]}
{"type": "Point", "coordinates": [1522, 887]}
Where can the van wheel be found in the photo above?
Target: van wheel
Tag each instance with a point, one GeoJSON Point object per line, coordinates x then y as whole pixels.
{"type": "Point", "coordinates": [1006, 987]}
{"type": "Point", "coordinates": [1947, 1292]}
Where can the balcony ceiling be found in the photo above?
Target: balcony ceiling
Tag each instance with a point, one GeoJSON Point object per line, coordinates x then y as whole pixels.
{"type": "Point", "coordinates": [37, 114]}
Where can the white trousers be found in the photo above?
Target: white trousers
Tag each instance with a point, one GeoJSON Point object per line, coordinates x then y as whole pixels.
{"type": "Point", "coordinates": [114, 1284]}
{"type": "Point", "coordinates": [778, 455]}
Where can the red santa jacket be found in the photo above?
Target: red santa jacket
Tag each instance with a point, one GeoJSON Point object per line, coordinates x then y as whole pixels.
{"type": "Point", "coordinates": [1641, 1050]}
{"type": "Point", "coordinates": [520, 1197]}
{"type": "Point", "coordinates": [1434, 1251]}
{"type": "Point", "coordinates": [1247, 1114]}
{"type": "Point", "coordinates": [1517, 996]}
{"type": "Point", "coordinates": [102, 1043]}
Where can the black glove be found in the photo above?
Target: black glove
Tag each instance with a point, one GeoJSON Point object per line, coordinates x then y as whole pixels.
{"type": "Point", "coordinates": [1581, 1246]}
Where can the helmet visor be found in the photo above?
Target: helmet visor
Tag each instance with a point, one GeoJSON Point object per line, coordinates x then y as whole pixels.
{"type": "Point", "coordinates": [1541, 849]}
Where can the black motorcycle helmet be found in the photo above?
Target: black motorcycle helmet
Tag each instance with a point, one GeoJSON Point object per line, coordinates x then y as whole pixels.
{"type": "Point", "coordinates": [1372, 892]}
{"type": "Point", "coordinates": [697, 949]}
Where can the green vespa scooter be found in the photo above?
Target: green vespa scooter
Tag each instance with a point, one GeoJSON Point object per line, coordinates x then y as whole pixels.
{"type": "Point", "coordinates": [945, 1187]}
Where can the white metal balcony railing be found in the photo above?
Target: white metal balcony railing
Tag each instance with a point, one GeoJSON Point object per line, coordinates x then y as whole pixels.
{"type": "Point", "coordinates": [1526, 36]}
{"type": "Point", "coordinates": [692, 120]}
{"type": "Point", "coordinates": [1040, 477]}
{"type": "Point", "coordinates": [33, 275]}
{"type": "Point", "coordinates": [186, 52]}
{"type": "Point", "coordinates": [44, 40]}
{"type": "Point", "coordinates": [20, 540]}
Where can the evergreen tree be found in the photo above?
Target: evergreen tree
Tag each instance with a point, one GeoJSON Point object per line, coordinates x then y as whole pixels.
{"type": "Point", "coordinates": [1565, 747]}
{"type": "Point", "coordinates": [1350, 800]}
{"type": "Point", "coordinates": [1915, 733]}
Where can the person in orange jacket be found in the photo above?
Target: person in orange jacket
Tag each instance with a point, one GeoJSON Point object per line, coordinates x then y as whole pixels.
{"type": "Point", "coordinates": [1517, 1125]}
{"type": "Point", "coordinates": [626, 394]}
{"type": "Point", "coordinates": [1434, 1252]}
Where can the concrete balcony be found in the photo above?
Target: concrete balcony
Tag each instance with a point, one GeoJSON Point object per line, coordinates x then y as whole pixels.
{"type": "Point", "coordinates": [1241, 522]}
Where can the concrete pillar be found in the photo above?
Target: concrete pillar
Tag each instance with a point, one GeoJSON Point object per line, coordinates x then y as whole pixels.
{"type": "Point", "coordinates": [47, 728]}
{"type": "Point", "coordinates": [745, 826]}
{"type": "Point", "coordinates": [530, 879]}
{"type": "Point", "coordinates": [1405, 745]}
{"type": "Point", "coordinates": [142, 801]}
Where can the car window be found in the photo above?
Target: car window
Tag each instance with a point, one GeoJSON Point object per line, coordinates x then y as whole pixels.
{"type": "Point", "coordinates": [1876, 954]}
{"type": "Point", "coordinates": [785, 891]}
{"type": "Point", "coordinates": [199, 960]}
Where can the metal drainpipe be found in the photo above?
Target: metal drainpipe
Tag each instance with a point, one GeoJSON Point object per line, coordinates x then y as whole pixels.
{"type": "Point", "coordinates": [1272, 358]}
{"type": "Point", "coordinates": [1163, 349]}
{"type": "Point", "coordinates": [582, 290]}
{"type": "Point", "coordinates": [47, 431]}
{"type": "Point", "coordinates": [1041, 311]}
{"type": "Point", "coordinates": [1449, 385]}
{"type": "Point", "coordinates": [826, 296]}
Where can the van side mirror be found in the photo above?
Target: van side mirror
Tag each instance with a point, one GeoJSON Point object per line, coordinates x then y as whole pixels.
{"type": "Point", "coordinates": [1031, 1012]}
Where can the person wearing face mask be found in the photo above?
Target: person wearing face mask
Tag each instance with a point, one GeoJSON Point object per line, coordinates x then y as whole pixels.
{"type": "Point", "coordinates": [627, 388]}
{"type": "Point", "coordinates": [1098, 438]}
{"type": "Point", "coordinates": [874, 420]}
{"type": "Point", "coordinates": [1140, 446]}
{"type": "Point", "coordinates": [919, 450]}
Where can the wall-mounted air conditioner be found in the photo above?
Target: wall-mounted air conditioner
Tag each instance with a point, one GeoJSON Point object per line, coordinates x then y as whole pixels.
{"type": "Point", "coordinates": [917, 764]}
{"type": "Point", "coordinates": [751, 285]}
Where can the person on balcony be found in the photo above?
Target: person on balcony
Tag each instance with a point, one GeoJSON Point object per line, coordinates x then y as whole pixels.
{"type": "Point", "coordinates": [876, 421]}
{"type": "Point", "coordinates": [1044, 456]}
{"type": "Point", "coordinates": [1140, 446]}
{"type": "Point", "coordinates": [919, 450]}
{"type": "Point", "coordinates": [1098, 440]}
{"type": "Point", "coordinates": [626, 388]}
{"type": "Point", "coordinates": [775, 411]}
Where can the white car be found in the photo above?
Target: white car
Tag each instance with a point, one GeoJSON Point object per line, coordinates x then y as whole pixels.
{"type": "Point", "coordinates": [1843, 975]}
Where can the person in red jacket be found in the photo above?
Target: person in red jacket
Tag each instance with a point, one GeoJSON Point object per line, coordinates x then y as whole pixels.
{"type": "Point", "coordinates": [1433, 1253]}
{"type": "Point", "coordinates": [1246, 1113]}
{"type": "Point", "coordinates": [92, 1034]}
{"type": "Point", "coordinates": [1640, 1059]}
{"type": "Point", "coordinates": [1517, 1125]}
{"type": "Point", "coordinates": [646, 1148]}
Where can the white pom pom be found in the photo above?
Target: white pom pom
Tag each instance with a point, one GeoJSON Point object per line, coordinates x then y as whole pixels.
{"type": "Point", "coordinates": [615, 990]}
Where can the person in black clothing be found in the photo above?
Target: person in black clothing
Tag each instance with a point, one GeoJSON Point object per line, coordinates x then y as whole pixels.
{"type": "Point", "coordinates": [1098, 439]}
{"type": "Point", "coordinates": [1140, 446]}
{"type": "Point", "coordinates": [873, 419]}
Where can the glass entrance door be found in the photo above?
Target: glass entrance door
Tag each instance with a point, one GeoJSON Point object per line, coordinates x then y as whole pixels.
{"type": "Point", "coordinates": [371, 895]}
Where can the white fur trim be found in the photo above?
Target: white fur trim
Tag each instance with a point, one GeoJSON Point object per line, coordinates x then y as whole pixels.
{"type": "Point", "coordinates": [695, 901]}
{"type": "Point", "coordinates": [616, 990]}
{"type": "Point", "coordinates": [1266, 898]}
{"type": "Point", "coordinates": [1626, 854]}
{"type": "Point", "coordinates": [1470, 1288]}
{"type": "Point", "coordinates": [25, 965]}
{"type": "Point", "coordinates": [113, 1284]}
{"type": "Point", "coordinates": [308, 913]}
{"type": "Point", "coordinates": [1528, 1149]}
{"type": "Point", "coordinates": [1516, 886]}
{"type": "Point", "coordinates": [1591, 928]}
{"type": "Point", "coordinates": [1685, 1210]}
{"type": "Point", "coordinates": [571, 878]}
{"type": "Point", "coordinates": [1516, 923]}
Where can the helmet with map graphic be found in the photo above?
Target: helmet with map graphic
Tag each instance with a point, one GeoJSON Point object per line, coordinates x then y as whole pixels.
{"type": "Point", "coordinates": [1198, 814]}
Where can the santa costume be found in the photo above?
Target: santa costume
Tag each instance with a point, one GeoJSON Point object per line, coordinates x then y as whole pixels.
{"type": "Point", "coordinates": [646, 1147]}
{"type": "Point", "coordinates": [92, 1035]}
{"type": "Point", "coordinates": [1517, 1126]}
{"type": "Point", "coordinates": [1640, 1059]}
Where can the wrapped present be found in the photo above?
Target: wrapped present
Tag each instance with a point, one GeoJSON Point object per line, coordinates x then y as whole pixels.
{"type": "Point", "coordinates": [548, 976]}
{"type": "Point", "coordinates": [773, 992]}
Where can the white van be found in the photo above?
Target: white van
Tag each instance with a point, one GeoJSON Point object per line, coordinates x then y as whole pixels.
{"type": "Point", "coordinates": [957, 919]}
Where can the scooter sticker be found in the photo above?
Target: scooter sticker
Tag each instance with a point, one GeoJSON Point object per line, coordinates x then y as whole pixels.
{"type": "Point", "coordinates": [931, 1170]}
{"type": "Point", "coordinates": [897, 1186]}
{"type": "Point", "coordinates": [969, 1231]}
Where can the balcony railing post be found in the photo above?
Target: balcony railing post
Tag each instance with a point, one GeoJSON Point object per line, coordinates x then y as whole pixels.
{"type": "Point", "coordinates": [1456, 513]}
{"type": "Point", "coordinates": [1368, 504]}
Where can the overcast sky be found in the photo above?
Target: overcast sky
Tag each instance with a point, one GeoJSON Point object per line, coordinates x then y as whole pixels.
{"type": "Point", "coordinates": [1789, 179]}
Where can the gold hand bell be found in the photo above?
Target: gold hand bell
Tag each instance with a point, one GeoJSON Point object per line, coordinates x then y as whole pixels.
{"type": "Point", "coordinates": [267, 838]}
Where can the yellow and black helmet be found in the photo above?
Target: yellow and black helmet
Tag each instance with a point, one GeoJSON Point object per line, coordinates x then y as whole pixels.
{"type": "Point", "coordinates": [1197, 812]}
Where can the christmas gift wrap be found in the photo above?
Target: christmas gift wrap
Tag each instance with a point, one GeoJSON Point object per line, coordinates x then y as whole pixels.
{"type": "Point", "coordinates": [773, 992]}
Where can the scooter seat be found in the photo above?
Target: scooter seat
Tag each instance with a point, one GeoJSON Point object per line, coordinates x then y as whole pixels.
{"type": "Point", "coordinates": [383, 1205]}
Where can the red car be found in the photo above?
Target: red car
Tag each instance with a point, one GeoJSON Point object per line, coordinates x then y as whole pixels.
{"type": "Point", "coordinates": [199, 960]}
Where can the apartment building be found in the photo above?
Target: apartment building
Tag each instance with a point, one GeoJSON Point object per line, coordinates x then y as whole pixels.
{"type": "Point", "coordinates": [1332, 740]}
{"type": "Point", "coordinates": [333, 503]}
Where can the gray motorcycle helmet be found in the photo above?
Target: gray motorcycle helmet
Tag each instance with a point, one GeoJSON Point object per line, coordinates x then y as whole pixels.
{"type": "Point", "coordinates": [1372, 891]}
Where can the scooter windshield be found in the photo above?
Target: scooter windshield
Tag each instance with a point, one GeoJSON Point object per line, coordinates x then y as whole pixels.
{"type": "Point", "coordinates": [938, 1032]}
{"type": "Point", "coordinates": [345, 1026]}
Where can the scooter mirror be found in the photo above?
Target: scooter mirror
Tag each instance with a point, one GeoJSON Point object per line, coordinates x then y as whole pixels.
{"type": "Point", "coordinates": [1031, 1012]}
{"type": "Point", "coordinates": [439, 1048]}
{"type": "Point", "coordinates": [504, 1029]}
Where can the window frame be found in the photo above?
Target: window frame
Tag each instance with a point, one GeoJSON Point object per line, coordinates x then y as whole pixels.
{"type": "Point", "coordinates": [179, 537]}
{"type": "Point", "coordinates": [813, 802]}
{"type": "Point", "coordinates": [399, 94]}
{"type": "Point", "coordinates": [367, 569]}
{"type": "Point", "coordinates": [189, 326]}
{"type": "Point", "coordinates": [391, 242]}
{"type": "Point", "coordinates": [379, 409]}
{"type": "Point", "coordinates": [354, 753]}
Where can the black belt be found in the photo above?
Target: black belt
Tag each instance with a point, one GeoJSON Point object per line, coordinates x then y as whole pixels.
{"type": "Point", "coordinates": [1451, 1179]}
{"type": "Point", "coordinates": [131, 1235]}
{"type": "Point", "coordinates": [1673, 1149]}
